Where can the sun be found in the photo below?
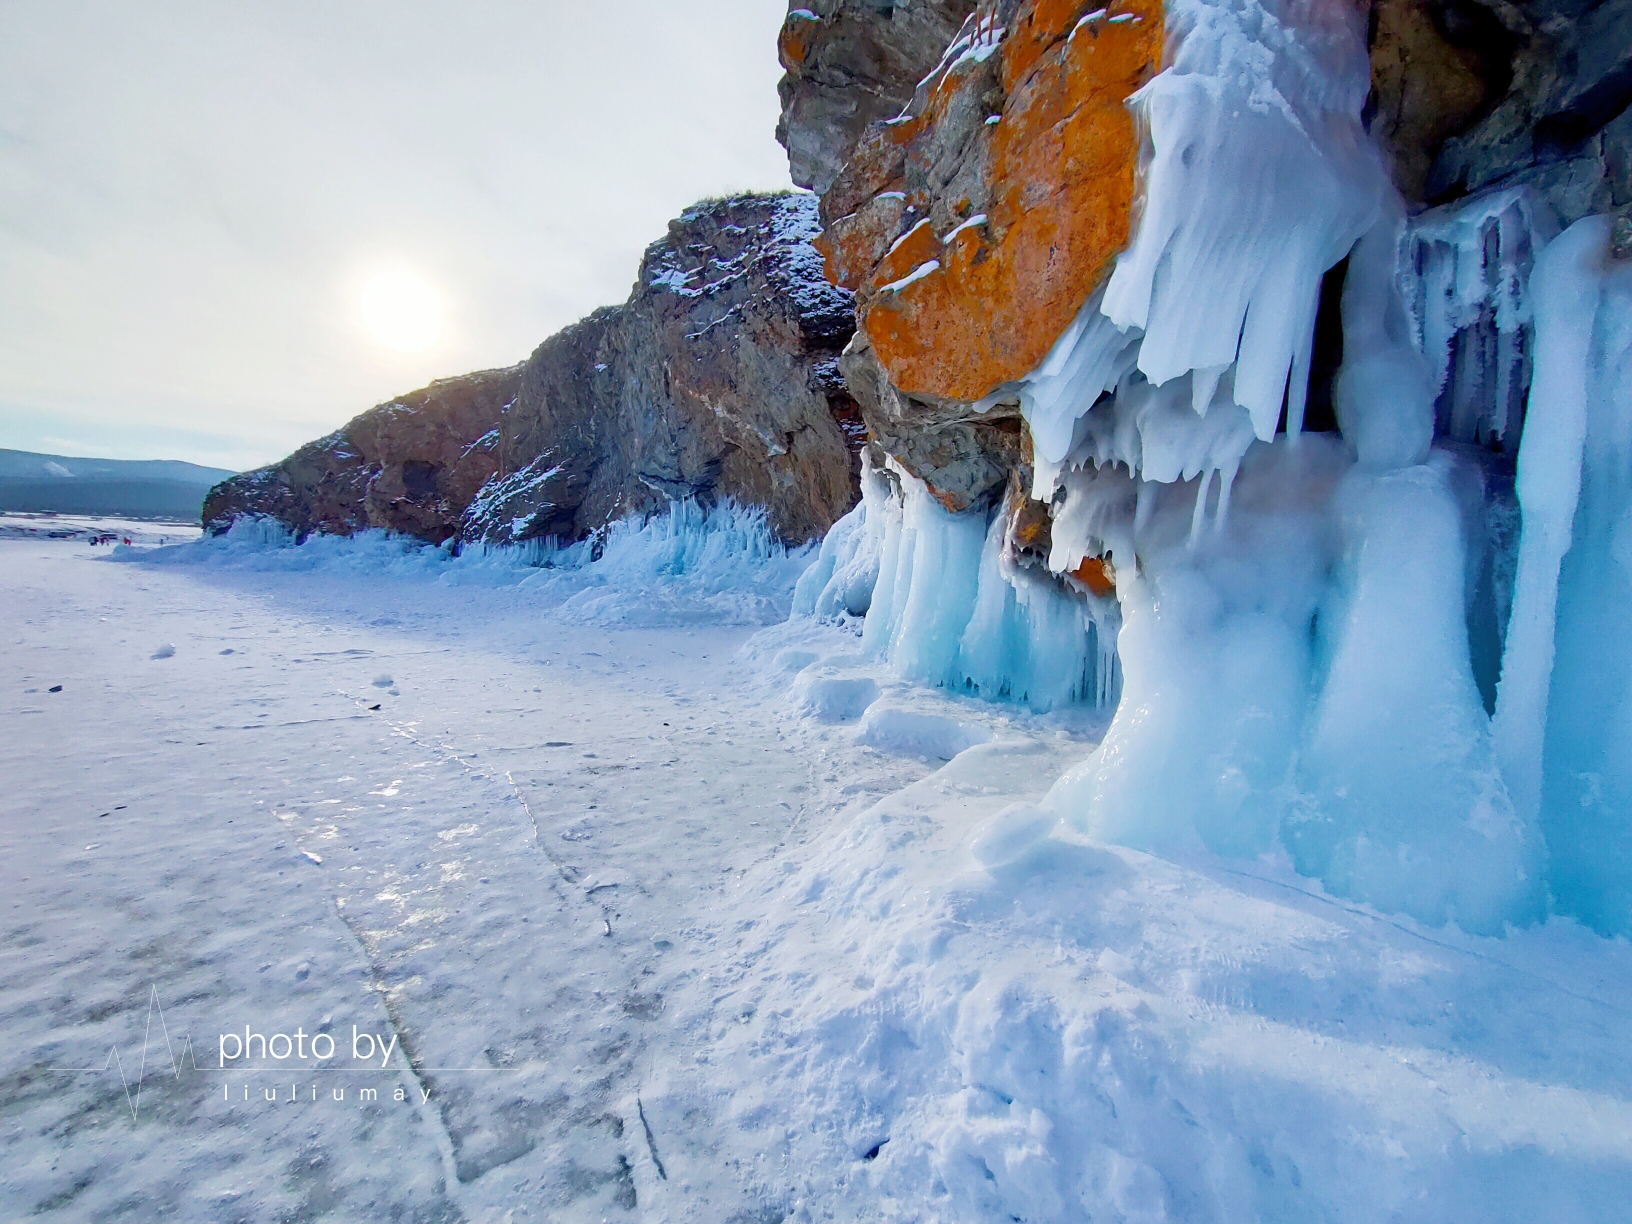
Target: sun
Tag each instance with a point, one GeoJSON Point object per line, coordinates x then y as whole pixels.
{"type": "Point", "coordinates": [400, 309]}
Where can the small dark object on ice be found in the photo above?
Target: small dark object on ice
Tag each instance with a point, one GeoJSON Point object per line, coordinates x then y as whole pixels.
{"type": "Point", "coordinates": [55, 688]}
{"type": "Point", "coordinates": [375, 706]}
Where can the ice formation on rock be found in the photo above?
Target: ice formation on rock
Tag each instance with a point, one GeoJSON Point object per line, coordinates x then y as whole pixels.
{"type": "Point", "coordinates": [1306, 632]}
{"type": "Point", "coordinates": [1298, 673]}
{"type": "Point", "coordinates": [947, 604]}
{"type": "Point", "coordinates": [1214, 650]}
{"type": "Point", "coordinates": [948, 609]}
{"type": "Point", "coordinates": [1464, 269]}
{"type": "Point", "coordinates": [1258, 178]}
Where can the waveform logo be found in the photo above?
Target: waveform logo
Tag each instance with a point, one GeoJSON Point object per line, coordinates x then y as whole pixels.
{"type": "Point", "coordinates": [115, 1061]}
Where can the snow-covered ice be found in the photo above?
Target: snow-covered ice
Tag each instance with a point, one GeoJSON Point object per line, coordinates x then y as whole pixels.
{"type": "Point", "coordinates": [660, 935]}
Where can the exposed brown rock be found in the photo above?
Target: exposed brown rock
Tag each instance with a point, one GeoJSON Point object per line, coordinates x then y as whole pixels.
{"type": "Point", "coordinates": [974, 225]}
{"type": "Point", "coordinates": [411, 465]}
{"type": "Point", "coordinates": [1424, 87]}
{"type": "Point", "coordinates": [1053, 179]}
{"type": "Point", "coordinates": [1097, 574]}
{"type": "Point", "coordinates": [717, 378]}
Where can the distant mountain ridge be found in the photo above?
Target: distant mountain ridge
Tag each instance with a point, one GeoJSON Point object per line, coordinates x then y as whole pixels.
{"type": "Point", "coordinates": [137, 488]}
{"type": "Point", "coordinates": [27, 465]}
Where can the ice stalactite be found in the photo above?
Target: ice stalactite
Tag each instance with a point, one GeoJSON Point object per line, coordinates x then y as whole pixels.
{"type": "Point", "coordinates": [840, 581]}
{"type": "Point", "coordinates": [1464, 270]}
{"type": "Point", "coordinates": [1564, 709]}
{"type": "Point", "coordinates": [950, 609]}
{"type": "Point", "coordinates": [947, 604]}
{"type": "Point", "coordinates": [1258, 178]}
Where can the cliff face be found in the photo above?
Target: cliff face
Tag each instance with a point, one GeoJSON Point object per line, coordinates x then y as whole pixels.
{"type": "Point", "coordinates": [411, 465]}
{"type": "Point", "coordinates": [1558, 80]}
{"type": "Point", "coordinates": [975, 222]}
{"type": "Point", "coordinates": [848, 63]}
{"type": "Point", "coordinates": [717, 378]}
{"type": "Point", "coordinates": [975, 219]}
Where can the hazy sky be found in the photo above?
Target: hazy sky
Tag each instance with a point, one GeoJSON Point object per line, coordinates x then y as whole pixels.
{"type": "Point", "coordinates": [222, 223]}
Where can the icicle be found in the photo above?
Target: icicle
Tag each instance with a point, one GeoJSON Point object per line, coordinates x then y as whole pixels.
{"type": "Point", "coordinates": [1109, 671]}
{"type": "Point", "coordinates": [1258, 178]}
{"type": "Point", "coordinates": [1464, 272]}
{"type": "Point", "coordinates": [1199, 515]}
{"type": "Point", "coordinates": [1297, 390]}
{"type": "Point", "coordinates": [1203, 384]}
{"type": "Point", "coordinates": [842, 578]}
{"type": "Point", "coordinates": [1144, 506]}
{"type": "Point", "coordinates": [1384, 390]}
{"type": "Point", "coordinates": [1226, 483]}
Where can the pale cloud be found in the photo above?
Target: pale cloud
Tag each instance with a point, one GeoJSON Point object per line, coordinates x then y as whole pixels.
{"type": "Point", "coordinates": [190, 194]}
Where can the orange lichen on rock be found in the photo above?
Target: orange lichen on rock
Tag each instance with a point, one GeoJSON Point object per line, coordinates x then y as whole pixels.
{"type": "Point", "coordinates": [793, 44]}
{"type": "Point", "coordinates": [851, 244]}
{"type": "Point", "coordinates": [1060, 165]}
{"type": "Point", "coordinates": [1098, 575]}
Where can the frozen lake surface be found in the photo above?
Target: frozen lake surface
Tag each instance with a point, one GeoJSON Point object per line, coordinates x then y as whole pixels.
{"type": "Point", "coordinates": [648, 915]}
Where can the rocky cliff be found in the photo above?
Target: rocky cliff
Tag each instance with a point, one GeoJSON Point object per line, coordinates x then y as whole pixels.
{"type": "Point", "coordinates": [411, 465]}
{"type": "Point", "coordinates": [1111, 259]}
{"type": "Point", "coordinates": [975, 221]}
{"type": "Point", "coordinates": [717, 378]}
{"type": "Point", "coordinates": [977, 217]}
{"type": "Point", "coordinates": [849, 63]}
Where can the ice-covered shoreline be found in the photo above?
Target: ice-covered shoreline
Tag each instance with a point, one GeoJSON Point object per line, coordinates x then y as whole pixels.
{"type": "Point", "coordinates": [844, 979]}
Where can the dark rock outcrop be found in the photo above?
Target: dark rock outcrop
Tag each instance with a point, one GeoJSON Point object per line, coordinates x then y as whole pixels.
{"type": "Point", "coordinates": [849, 63]}
{"type": "Point", "coordinates": [717, 378]}
{"type": "Point", "coordinates": [411, 465]}
{"type": "Point", "coordinates": [1558, 74]}
{"type": "Point", "coordinates": [1436, 70]}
